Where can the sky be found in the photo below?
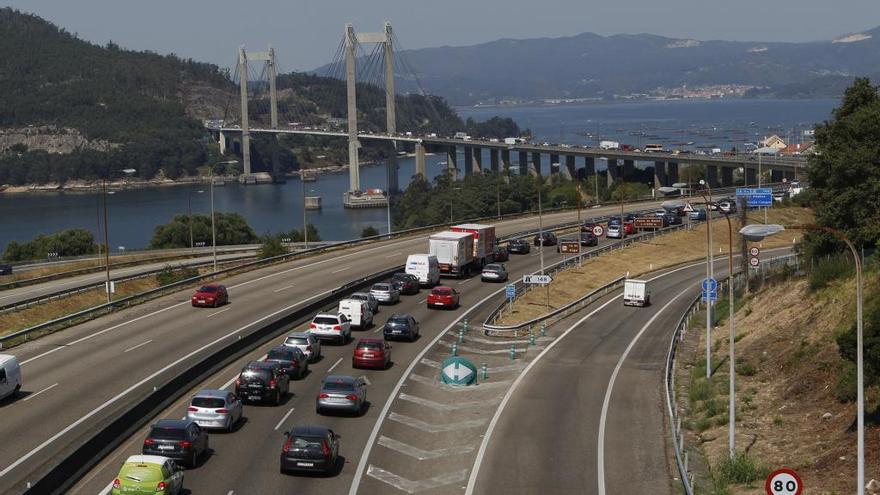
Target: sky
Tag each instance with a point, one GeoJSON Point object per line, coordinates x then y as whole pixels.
{"type": "Point", "coordinates": [306, 33]}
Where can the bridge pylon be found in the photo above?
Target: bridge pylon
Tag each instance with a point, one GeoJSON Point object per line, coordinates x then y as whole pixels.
{"type": "Point", "coordinates": [243, 57]}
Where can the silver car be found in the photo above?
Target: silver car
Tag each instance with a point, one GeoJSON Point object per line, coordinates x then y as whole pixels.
{"type": "Point", "coordinates": [385, 293]}
{"type": "Point", "coordinates": [369, 298]}
{"type": "Point", "coordinates": [340, 393]}
{"type": "Point", "coordinates": [215, 409]}
{"type": "Point", "coordinates": [494, 272]}
{"type": "Point", "coordinates": [307, 343]}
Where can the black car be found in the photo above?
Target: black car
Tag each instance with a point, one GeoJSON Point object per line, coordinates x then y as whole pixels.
{"type": "Point", "coordinates": [179, 439]}
{"type": "Point", "coordinates": [292, 360]}
{"type": "Point", "coordinates": [260, 381]}
{"type": "Point", "coordinates": [589, 239]}
{"type": "Point", "coordinates": [5, 269]}
{"type": "Point", "coordinates": [310, 448]}
{"type": "Point", "coordinates": [406, 283]}
{"type": "Point", "coordinates": [501, 254]}
{"type": "Point", "coordinates": [672, 219]}
{"type": "Point", "coordinates": [588, 226]}
{"type": "Point", "coordinates": [548, 239]}
{"type": "Point", "coordinates": [401, 326]}
{"type": "Point", "coordinates": [518, 246]}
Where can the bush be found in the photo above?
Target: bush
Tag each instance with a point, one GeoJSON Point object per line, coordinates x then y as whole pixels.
{"type": "Point", "coordinates": [271, 247]}
{"type": "Point", "coordinates": [741, 469]}
{"type": "Point", "coordinates": [845, 388]}
{"type": "Point", "coordinates": [369, 231]}
{"type": "Point", "coordinates": [746, 368]}
{"type": "Point", "coordinates": [231, 228]}
{"type": "Point", "coordinates": [71, 242]}
{"type": "Point", "coordinates": [830, 268]}
{"type": "Point", "coordinates": [700, 389]}
{"type": "Point", "coordinates": [169, 274]}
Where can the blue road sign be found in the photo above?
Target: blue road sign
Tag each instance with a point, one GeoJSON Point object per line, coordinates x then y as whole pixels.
{"type": "Point", "coordinates": [458, 371]}
{"type": "Point", "coordinates": [710, 296]}
{"type": "Point", "coordinates": [710, 284]}
{"type": "Point", "coordinates": [511, 291]}
{"type": "Point", "coordinates": [756, 196]}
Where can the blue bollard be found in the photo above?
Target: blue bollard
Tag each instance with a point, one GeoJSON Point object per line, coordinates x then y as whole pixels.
{"type": "Point", "coordinates": [531, 339]}
{"type": "Point", "coordinates": [543, 329]}
{"type": "Point", "coordinates": [460, 337]}
{"type": "Point", "coordinates": [455, 349]}
{"type": "Point", "coordinates": [512, 352]}
{"type": "Point", "coordinates": [485, 369]}
{"type": "Point", "coordinates": [465, 326]}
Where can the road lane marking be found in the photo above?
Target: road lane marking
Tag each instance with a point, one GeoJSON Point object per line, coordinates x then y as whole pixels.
{"type": "Point", "coordinates": [435, 428]}
{"type": "Point", "coordinates": [423, 301]}
{"type": "Point", "coordinates": [366, 380]}
{"type": "Point", "coordinates": [437, 406]}
{"type": "Point", "coordinates": [284, 288]}
{"type": "Point", "coordinates": [465, 281]}
{"type": "Point", "coordinates": [417, 453]}
{"type": "Point", "coordinates": [215, 313]}
{"type": "Point", "coordinates": [139, 345]}
{"type": "Point", "coordinates": [341, 269]}
{"type": "Point", "coordinates": [334, 365]}
{"type": "Point", "coordinates": [29, 397]}
{"type": "Point", "coordinates": [435, 382]}
{"type": "Point", "coordinates": [284, 419]}
{"type": "Point", "coordinates": [392, 255]}
{"type": "Point", "coordinates": [607, 401]}
{"type": "Point", "coordinates": [145, 380]}
{"type": "Point", "coordinates": [410, 486]}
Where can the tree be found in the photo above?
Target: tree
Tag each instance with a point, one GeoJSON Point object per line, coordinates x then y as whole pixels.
{"type": "Point", "coordinates": [369, 231]}
{"type": "Point", "coordinates": [271, 247]}
{"type": "Point", "coordinates": [231, 228]}
{"type": "Point", "coordinates": [72, 242]}
{"type": "Point", "coordinates": [846, 343]}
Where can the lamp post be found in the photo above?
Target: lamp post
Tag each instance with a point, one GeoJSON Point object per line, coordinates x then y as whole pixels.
{"type": "Point", "coordinates": [710, 272]}
{"type": "Point", "coordinates": [213, 227]}
{"type": "Point", "coordinates": [127, 172]}
{"type": "Point", "coordinates": [540, 224]}
{"type": "Point", "coordinates": [757, 232]}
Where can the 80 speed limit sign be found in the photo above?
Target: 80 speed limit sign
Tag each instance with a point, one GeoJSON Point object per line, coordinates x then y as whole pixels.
{"type": "Point", "coordinates": [784, 482]}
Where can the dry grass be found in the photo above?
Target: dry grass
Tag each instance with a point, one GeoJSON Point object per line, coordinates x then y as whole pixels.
{"type": "Point", "coordinates": [661, 252]}
{"type": "Point", "coordinates": [787, 411]}
{"type": "Point", "coordinates": [78, 265]}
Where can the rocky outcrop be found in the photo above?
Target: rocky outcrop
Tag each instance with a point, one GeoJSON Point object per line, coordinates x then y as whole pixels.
{"type": "Point", "coordinates": [49, 138]}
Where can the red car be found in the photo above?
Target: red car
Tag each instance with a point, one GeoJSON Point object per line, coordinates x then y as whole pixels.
{"type": "Point", "coordinates": [210, 295]}
{"type": "Point", "coordinates": [629, 228]}
{"type": "Point", "coordinates": [371, 353]}
{"type": "Point", "coordinates": [443, 297]}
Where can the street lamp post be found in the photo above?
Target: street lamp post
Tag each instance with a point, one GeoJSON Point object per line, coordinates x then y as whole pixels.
{"type": "Point", "coordinates": [213, 226]}
{"type": "Point", "coordinates": [540, 224]}
{"type": "Point", "coordinates": [710, 272]}
{"type": "Point", "coordinates": [757, 232]}
{"type": "Point", "coordinates": [107, 231]}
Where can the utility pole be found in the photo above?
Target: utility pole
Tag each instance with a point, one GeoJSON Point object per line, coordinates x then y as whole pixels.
{"type": "Point", "coordinates": [106, 240]}
{"type": "Point", "coordinates": [744, 243]}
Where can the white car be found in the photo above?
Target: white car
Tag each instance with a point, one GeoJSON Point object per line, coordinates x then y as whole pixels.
{"type": "Point", "coordinates": [331, 327]}
{"type": "Point", "coordinates": [307, 343]}
{"type": "Point", "coordinates": [614, 232]}
{"type": "Point", "coordinates": [385, 293]}
{"type": "Point", "coordinates": [368, 298]}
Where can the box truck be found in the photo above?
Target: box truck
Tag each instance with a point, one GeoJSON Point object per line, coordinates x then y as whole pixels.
{"type": "Point", "coordinates": [454, 252]}
{"type": "Point", "coordinates": [484, 241]}
{"type": "Point", "coordinates": [636, 293]}
{"type": "Point", "coordinates": [609, 145]}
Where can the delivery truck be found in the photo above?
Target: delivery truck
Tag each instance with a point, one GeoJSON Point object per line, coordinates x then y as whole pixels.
{"type": "Point", "coordinates": [609, 145]}
{"type": "Point", "coordinates": [636, 293]}
{"type": "Point", "coordinates": [454, 252]}
{"type": "Point", "coordinates": [484, 241]}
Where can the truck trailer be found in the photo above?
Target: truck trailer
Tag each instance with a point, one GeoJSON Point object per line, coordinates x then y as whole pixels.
{"type": "Point", "coordinates": [454, 252]}
{"type": "Point", "coordinates": [636, 293]}
{"type": "Point", "coordinates": [484, 241]}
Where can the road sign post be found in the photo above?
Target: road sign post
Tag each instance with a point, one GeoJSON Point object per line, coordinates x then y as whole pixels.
{"type": "Point", "coordinates": [784, 482]}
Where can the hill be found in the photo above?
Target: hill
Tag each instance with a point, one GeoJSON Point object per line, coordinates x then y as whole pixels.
{"type": "Point", "coordinates": [593, 66]}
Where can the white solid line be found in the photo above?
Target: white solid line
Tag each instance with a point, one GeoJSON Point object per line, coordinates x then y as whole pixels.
{"type": "Point", "coordinates": [139, 345]}
{"type": "Point", "coordinates": [29, 397]}
{"type": "Point", "coordinates": [227, 384]}
{"type": "Point", "coordinates": [341, 269]}
{"type": "Point", "coordinates": [334, 365]}
{"type": "Point", "coordinates": [215, 313]}
{"type": "Point", "coordinates": [465, 281]}
{"type": "Point", "coordinates": [393, 255]}
{"type": "Point", "coordinates": [285, 288]}
{"type": "Point", "coordinates": [423, 301]}
{"type": "Point", "coordinates": [131, 388]}
{"type": "Point", "coordinates": [284, 419]}
{"type": "Point", "coordinates": [106, 489]}
{"type": "Point", "coordinates": [362, 463]}
{"type": "Point", "coordinates": [600, 453]}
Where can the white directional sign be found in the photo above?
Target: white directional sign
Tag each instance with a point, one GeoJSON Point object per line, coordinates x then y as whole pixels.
{"type": "Point", "coordinates": [688, 208]}
{"type": "Point", "coordinates": [457, 372]}
{"type": "Point", "coordinates": [537, 279]}
{"type": "Point", "coordinates": [784, 482]}
{"type": "Point", "coordinates": [598, 231]}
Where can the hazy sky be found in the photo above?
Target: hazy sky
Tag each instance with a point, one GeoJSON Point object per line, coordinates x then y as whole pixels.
{"type": "Point", "coordinates": [306, 33]}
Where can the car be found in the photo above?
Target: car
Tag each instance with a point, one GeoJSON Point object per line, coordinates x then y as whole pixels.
{"type": "Point", "coordinates": [443, 297]}
{"type": "Point", "coordinates": [697, 214]}
{"type": "Point", "coordinates": [545, 239]}
{"type": "Point", "coordinates": [292, 360]}
{"type": "Point", "coordinates": [148, 475]}
{"type": "Point", "coordinates": [385, 293]}
{"type": "Point", "coordinates": [310, 448]}
{"type": "Point", "coordinates": [401, 326]}
{"type": "Point", "coordinates": [342, 394]}
{"type": "Point", "coordinates": [179, 439]}
{"type": "Point", "coordinates": [727, 206]}
{"type": "Point", "coordinates": [588, 239]}
{"type": "Point", "coordinates": [307, 343]}
{"type": "Point", "coordinates": [371, 353]}
{"type": "Point", "coordinates": [672, 219]}
{"type": "Point", "coordinates": [518, 246]}
{"type": "Point", "coordinates": [405, 283]}
{"type": "Point", "coordinates": [326, 326]}
{"type": "Point", "coordinates": [660, 213]}
{"type": "Point", "coordinates": [261, 382]}
{"type": "Point", "coordinates": [210, 295]}
{"type": "Point", "coordinates": [5, 269]}
{"type": "Point", "coordinates": [368, 298]}
{"type": "Point", "coordinates": [629, 227]}
{"type": "Point", "coordinates": [501, 254]}
{"type": "Point", "coordinates": [614, 231]}
{"type": "Point", "coordinates": [778, 196]}
{"type": "Point", "coordinates": [215, 409]}
{"type": "Point", "coordinates": [588, 226]}
{"type": "Point", "coordinates": [494, 272]}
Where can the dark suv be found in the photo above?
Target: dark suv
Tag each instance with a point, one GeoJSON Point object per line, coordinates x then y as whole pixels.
{"type": "Point", "coordinates": [518, 246]}
{"type": "Point", "coordinates": [292, 360]}
{"type": "Point", "coordinates": [260, 381]}
{"type": "Point", "coordinates": [589, 239]}
{"type": "Point", "coordinates": [545, 239]}
{"type": "Point", "coordinates": [5, 269]}
{"type": "Point", "coordinates": [310, 448]}
{"type": "Point", "coordinates": [181, 440]}
{"type": "Point", "coordinates": [401, 326]}
{"type": "Point", "coordinates": [406, 283]}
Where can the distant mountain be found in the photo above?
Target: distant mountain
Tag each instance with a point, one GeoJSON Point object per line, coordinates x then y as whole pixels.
{"type": "Point", "coordinates": [593, 66]}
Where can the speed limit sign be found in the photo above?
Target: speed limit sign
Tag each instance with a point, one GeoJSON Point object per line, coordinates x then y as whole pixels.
{"type": "Point", "coordinates": [598, 231]}
{"type": "Point", "coordinates": [754, 251]}
{"type": "Point", "coordinates": [784, 482]}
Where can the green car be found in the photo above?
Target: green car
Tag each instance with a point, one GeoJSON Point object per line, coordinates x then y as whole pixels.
{"type": "Point", "coordinates": [148, 475]}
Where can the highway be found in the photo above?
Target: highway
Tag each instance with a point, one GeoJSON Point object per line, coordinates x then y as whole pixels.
{"type": "Point", "coordinates": [19, 294]}
{"type": "Point", "coordinates": [75, 379]}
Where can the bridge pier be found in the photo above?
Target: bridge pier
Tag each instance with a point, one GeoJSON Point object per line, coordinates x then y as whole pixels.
{"type": "Point", "coordinates": [726, 176]}
{"type": "Point", "coordinates": [493, 159]}
{"type": "Point", "coordinates": [569, 164]}
{"type": "Point", "coordinates": [629, 166]}
{"type": "Point", "coordinates": [391, 168]}
{"type": "Point", "coordinates": [612, 171]}
{"type": "Point", "coordinates": [589, 166]}
{"type": "Point", "coordinates": [712, 175]}
{"type": "Point", "coordinates": [477, 160]}
{"type": "Point", "coordinates": [468, 160]}
{"type": "Point", "coordinates": [554, 164]}
{"type": "Point", "coordinates": [671, 172]}
{"type": "Point", "coordinates": [776, 175]}
{"type": "Point", "coordinates": [523, 163]}
{"type": "Point", "coordinates": [451, 159]}
{"type": "Point", "coordinates": [420, 161]}
{"type": "Point", "coordinates": [536, 162]}
{"type": "Point", "coordinates": [505, 162]}
{"type": "Point", "coordinates": [751, 177]}
{"type": "Point", "coordinates": [659, 174]}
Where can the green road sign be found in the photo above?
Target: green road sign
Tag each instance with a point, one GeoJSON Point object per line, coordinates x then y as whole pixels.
{"type": "Point", "coordinates": [457, 370]}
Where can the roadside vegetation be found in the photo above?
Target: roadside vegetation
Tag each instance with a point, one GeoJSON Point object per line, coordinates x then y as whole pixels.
{"type": "Point", "coordinates": [231, 228]}
{"type": "Point", "coordinates": [71, 242]}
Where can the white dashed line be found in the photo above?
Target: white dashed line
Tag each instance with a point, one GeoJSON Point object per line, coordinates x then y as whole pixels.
{"type": "Point", "coordinates": [29, 397]}
{"type": "Point", "coordinates": [334, 365]}
{"type": "Point", "coordinates": [284, 419]}
{"type": "Point", "coordinates": [139, 345]}
{"type": "Point", "coordinates": [215, 313]}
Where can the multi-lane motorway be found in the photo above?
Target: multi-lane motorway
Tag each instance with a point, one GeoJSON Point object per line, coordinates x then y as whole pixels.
{"type": "Point", "coordinates": [76, 379]}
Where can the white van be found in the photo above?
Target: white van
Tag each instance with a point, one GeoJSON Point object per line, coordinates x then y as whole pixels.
{"type": "Point", "coordinates": [10, 375]}
{"type": "Point", "coordinates": [358, 312]}
{"type": "Point", "coordinates": [425, 267]}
